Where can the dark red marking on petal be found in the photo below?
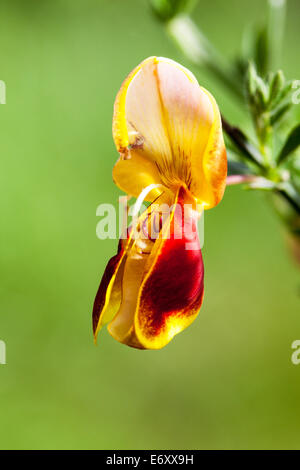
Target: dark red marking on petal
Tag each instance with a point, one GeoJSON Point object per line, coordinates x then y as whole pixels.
{"type": "Point", "coordinates": [176, 283]}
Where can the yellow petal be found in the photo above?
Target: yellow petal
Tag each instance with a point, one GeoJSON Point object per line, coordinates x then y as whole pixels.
{"type": "Point", "coordinates": [136, 173]}
{"type": "Point", "coordinates": [168, 130]}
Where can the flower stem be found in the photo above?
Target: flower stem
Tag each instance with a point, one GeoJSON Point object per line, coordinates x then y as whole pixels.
{"type": "Point", "coordinates": [200, 51]}
{"type": "Point", "coordinates": [239, 179]}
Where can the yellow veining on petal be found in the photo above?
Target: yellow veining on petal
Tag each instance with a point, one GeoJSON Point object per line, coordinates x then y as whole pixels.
{"type": "Point", "coordinates": [168, 130]}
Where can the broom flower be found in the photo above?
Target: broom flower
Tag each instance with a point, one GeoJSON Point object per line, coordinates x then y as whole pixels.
{"type": "Point", "coordinates": [168, 132]}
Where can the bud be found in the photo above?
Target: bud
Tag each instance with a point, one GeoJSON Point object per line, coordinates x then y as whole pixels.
{"type": "Point", "coordinates": [167, 9]}
{"type": "Point", "coordinates": [276, 85]}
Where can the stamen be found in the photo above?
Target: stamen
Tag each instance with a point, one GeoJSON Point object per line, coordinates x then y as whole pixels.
{"type": "Point", "coordinates": [142, 196]}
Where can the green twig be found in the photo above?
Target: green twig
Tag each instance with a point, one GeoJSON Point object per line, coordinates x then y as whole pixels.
{"type": "Point", "coordinates": [200, 51]}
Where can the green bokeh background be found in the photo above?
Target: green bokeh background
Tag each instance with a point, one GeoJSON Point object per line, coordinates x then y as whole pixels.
{"type": "Point", "coordinates": [228, 380]}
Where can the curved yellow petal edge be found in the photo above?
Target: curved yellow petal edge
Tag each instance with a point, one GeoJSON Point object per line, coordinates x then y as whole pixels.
{"type": "Point", "coordinates": [168, 130]}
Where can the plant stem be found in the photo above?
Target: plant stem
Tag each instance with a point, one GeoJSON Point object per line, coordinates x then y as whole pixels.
{"type": "Point", "coordinates": [287, 190]}
{"type": "Point", "coordinates": [200, 51]}
{"type": "Point", "coordinates": [240, 179]}
{"type": "Point", "coordinates": [276, 25]}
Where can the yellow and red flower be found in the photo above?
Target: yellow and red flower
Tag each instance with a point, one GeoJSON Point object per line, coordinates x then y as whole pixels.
{"type": "Point", "coordinates": [167, 130]}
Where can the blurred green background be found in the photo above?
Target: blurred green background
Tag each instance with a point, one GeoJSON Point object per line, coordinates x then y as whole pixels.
{"type": "Point", "coordinates": [227, 381]}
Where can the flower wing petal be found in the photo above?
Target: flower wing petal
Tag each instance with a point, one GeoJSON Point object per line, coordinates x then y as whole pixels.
{"type": "Point", "coordinates": [136, 173]}
{"type": "Point", "coordinates": [108, 297]}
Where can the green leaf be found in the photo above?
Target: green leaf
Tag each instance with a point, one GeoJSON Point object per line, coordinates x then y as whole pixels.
{"type": "Point", "coordinates": [279, 113]}
{"type": "Point", "coordinates": [238, 168]}
{"type": "Point", "coordinates": [291, 195]}
{"type": "Point", "coordinates": [291, 144]}
{"type": "Point", "coordinates": [276, 86]}
{"type": "Point", "coordinates": [251, 79]}
{"type": "Point", "coordinates": [243, 144]}
{"type": "Point", "coordinates": [262, 51]}
{"type": "Point", "coordinates": [283, 93]}
{"type": "Point", "coordinates": [262, 93]}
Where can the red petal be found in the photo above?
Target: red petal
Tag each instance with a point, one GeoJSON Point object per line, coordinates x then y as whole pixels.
{"type": "Point", "coordinates": [172, 292]}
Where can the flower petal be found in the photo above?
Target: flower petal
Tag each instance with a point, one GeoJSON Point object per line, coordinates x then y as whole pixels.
{"type": "Point", "coordinates": [108, 297]}
{"type": "Point", "coordinates": [164, 116]}
{"type": "Point", "coordinates": [172, 292]}
{"type": "Point", "coordinates": [134, 174]}
{"type": "Point", "coordinates": [135, 268]}
{"type": "Point", "coordinates": [162, 293]}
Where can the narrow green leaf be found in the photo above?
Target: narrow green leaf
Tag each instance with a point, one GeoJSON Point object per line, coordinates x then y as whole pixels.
{"type": "Point", "coordinates": [251, 80]}
{"type": "Point", "coordinates": [237, 168]}
{"type": "Point", "coordinates": [279, 113]}
{"type": "Point", "coordinates": [243, 144]}
{"type": "Point", "coordinates": [262, 51]}
{"type": "Point", "coordinates": [288, 191]}
{"type": "Point", "coordinates": [283, 93]}
{"type": "Point", "coordinates": [276, 86]}
{"type": "Point", "coordinates": [291, 144]}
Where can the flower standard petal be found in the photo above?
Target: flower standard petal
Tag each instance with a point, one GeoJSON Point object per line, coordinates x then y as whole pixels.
{"type": "Point", "coordinates": [169, 129]}
{"type": "Point", "coordinates": [130, 142]}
